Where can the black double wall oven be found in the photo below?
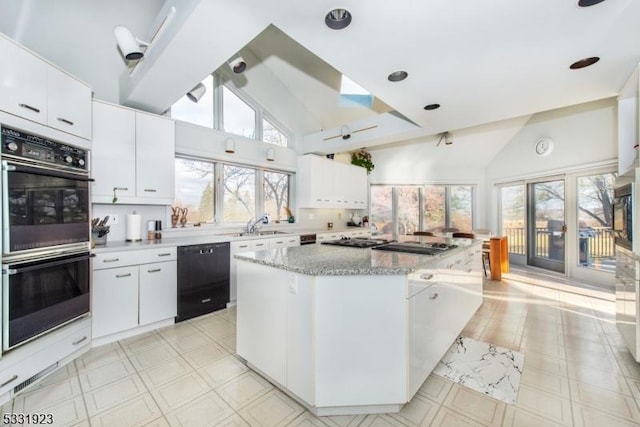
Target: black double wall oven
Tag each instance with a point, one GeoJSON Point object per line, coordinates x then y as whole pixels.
{"type": "Point", "coordinates": [45, 236]}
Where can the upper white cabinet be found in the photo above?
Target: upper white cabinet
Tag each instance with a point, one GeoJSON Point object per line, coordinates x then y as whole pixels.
{"type": "Point", "coordinates": [133, 156]}
{"type": "Point", "coordinates": [68, 104]}
{"type": "Point", "coordinates": [36, 90]}
{"type": "Point", "coordinates": [155, 153]}
{"type": "Point", "coordinates": [325, 183]}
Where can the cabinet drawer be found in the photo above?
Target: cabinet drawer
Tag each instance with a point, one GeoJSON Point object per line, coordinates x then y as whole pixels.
{"type": "Point", "coordinates": [32, 358]}
{"type": "Point", "coordinates": [133, 257]}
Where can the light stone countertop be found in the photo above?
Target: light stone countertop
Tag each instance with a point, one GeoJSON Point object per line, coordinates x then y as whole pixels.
{"type": "Point", "coordinates": [121, 245]}
{"type": "Point", "coordinates": [328, 260]}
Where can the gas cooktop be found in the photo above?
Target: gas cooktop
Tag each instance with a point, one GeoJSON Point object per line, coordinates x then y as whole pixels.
{"type": "Point", "coordinates": [357, 243]}
{"type": "Point", "coordinates": [417, 247]}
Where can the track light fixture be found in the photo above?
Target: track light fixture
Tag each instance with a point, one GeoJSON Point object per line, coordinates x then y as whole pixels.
{"type": "Point", "coordinates": [129, 45]}
{"type": "Point", "coordinates": [448, 139]}
{"type": "Point", "coordinates": [238, 64]}
{"type": "Point", "coordinates": [197, 92]}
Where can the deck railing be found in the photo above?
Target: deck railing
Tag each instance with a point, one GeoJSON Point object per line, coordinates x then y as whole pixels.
{"type": "Point", "coordinates": [599, 241]}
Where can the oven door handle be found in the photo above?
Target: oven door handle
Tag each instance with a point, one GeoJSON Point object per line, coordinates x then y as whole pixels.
{"type": "Point", "coordinates": [38, 170]}
{"type": "Point", "coordinates": [8, 270]}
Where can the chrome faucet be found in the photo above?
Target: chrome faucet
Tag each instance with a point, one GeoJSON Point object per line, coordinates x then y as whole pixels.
{"type": "Point", "coordinates": [253, 227]}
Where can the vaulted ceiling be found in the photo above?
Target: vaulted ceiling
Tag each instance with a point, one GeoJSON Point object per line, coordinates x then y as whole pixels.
{"type": "Point", "coordinates": [482, 61]}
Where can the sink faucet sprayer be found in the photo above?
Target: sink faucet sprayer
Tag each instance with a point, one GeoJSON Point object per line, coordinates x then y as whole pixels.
{"type": "Point", "coordinates": [253, 227]}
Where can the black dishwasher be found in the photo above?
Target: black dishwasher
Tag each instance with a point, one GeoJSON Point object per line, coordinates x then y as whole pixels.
{"type": "Point", "coordinates": [203, 279]}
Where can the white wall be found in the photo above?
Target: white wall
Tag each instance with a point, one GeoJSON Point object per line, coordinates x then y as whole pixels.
{"type": "Point", "coordinates": [583, 135]}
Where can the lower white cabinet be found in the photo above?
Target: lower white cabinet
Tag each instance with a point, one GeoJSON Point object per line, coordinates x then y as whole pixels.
{"type": "Point", "coordinates": [140, 289]}
{"type": "Point", "coordinates": [41, 356]}
{"type": "Point", "coordinates": [115, 300]}
{"type": "Point", "coordinates": [254, 245]}
{"type": "Point", "coordinates": [158, 297]}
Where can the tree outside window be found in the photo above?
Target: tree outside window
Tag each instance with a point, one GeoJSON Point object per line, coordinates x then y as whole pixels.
{"type": "Point", "coordinates": [272, 135]}
{"type": "Point", "coordinates": [276, 194]}
{"type": "Point", "coordinates": [194, 189]}
{"type": "Point", "coordinates": [239, 194]}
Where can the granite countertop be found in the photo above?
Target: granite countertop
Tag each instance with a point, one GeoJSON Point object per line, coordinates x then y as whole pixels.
{"type": "Point", "coordinates": [121, 245]}
{"type": "Point", "coordinates": [325, 260]}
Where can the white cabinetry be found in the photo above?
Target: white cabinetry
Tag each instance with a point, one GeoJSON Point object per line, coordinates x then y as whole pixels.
{"type": "Point", "coordinates": [132, 289]}
{"type": "Point", "coordinates": [254, 245]}
{"type": "Point", "coordinates": [38, 356]}
{"type": "Point", "coordinates": [325, 183]}
{"type": "Point", "coordinates": [133, 153]}
{"type": "Point", "coordinates": [337, 235]}
{"type": "Point", "coordinates": [36, 90]}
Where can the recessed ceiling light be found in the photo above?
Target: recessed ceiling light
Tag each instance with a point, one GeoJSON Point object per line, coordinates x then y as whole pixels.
{"type": "Point", "coordinates": [337, 19]}
{"type": "Point", "coordinates": [587, 3]}
{"type": "Point", "coordinates": [431, 107]}
{"type": "Point", "coordinates": [398, 76]}
{"type": "Point", "coordinates": [584, 63]}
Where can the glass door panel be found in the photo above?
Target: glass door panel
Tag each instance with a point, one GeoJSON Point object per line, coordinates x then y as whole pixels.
{"type": "Point", "coordinates": [595, 234]}
{"type": "Point", "coordinates": [546, 225]}
{"type": "Point", "coordinates": [513, 218]}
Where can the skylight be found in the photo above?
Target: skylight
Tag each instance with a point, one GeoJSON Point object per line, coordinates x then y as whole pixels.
{"type": "Point", "coordinates": [354, 95]}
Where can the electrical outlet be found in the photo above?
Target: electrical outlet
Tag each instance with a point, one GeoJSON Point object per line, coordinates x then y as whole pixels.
{"type": "Point", "coordinates": [311, 216]}
{"type": "Point", "coordinates": [293, 284]}
{"type": "Point", "coordinates": [113, 219]}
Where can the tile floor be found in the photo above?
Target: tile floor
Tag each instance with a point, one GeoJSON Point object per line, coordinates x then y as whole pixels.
{"type": "Point", "coordinates": [577, 372]}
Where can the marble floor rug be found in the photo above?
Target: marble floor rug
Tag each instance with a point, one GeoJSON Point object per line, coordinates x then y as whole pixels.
{"type": "Point", "coordinates": [489, 369]}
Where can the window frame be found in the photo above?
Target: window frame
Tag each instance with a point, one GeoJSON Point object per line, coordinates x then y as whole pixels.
{"type": "Point", "coordinates": [218, 187]}
{"type": "Point", "coordinates": [421, 197]}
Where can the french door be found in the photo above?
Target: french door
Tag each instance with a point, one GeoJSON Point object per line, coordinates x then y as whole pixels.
{"type": "Point", "coordinates": [546, 224]}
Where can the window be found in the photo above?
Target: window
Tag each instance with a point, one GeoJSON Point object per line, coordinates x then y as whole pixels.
{"type": "Point", "coordinates": [199, 113]}
{"type": "Point", "coordinates": [225, 107]}
{"type": "Point", "coordinates": [406, 209]}
{"type": "Point", "coordinates": [272, 135]}
{"type": "Point", "coordinates": [512, 199]}
{"type": "Point", "coordinates": [276, 195]}
{"type": "Point", "coordinates": [434, 207]}
{"type": "Point", "coordinates": [195, 189]}
{"type": "Point", "coordinates": [461, 202]}
{"type": "Point", "coordinates": [238, 117]}
{"type": "Point", "coordinates": [381, 209]}
{"type": "Point", "coordinates": [595, 236]}
{"type": "Point", "coordinates": [242, 193]}
{"type": "Point", "coordinates": [239, 194]}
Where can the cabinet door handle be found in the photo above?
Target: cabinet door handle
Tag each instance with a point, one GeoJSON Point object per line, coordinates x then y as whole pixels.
{"type": "Point", "coordinates": [121, 188]}
{"type": "Point", "coordinates": [150, 190]}
{"type": "Point", "coordinates": [111, 260]}
{"type": "Point", "coordinates": [165, 254]}
{"type": "Point", "coordinates": [243, 246]}
{"type": "Point", "coordinates": [123, 275]}
{"type": "Point", "coordinates": [155, 270]}
{"type": "Point", "coordinates": [206, 300]}
{"type": "Point", "coordinates": [84, 338]}
{"type": "Point", "coordinates": [433, 296]}
{"type": "Point", "coordinates": [10, 380]}
{"type": "Point", "coordinates": [29, 107]}
{"type": "Point", "coordinates": [279, 242]}
{"type": "Point", "coordinates": [63, 120]}
{"type": "Point", "coordinates": [426, 276]}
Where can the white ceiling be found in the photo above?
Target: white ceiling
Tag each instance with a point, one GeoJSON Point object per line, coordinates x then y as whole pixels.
{"type": "Point", "coordinates": [483, 61]}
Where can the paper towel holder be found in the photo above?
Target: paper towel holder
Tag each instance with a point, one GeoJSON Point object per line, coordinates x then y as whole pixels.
{"type": "Point", "coordinates": [133, 231]}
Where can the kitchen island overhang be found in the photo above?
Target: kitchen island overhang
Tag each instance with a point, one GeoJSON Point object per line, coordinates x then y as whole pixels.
{"type": "Point", "coordinates": [353, 331]}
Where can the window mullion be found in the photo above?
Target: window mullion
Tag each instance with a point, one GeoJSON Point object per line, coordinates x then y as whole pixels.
{"type": "Point", "coordinates": [447, 206]}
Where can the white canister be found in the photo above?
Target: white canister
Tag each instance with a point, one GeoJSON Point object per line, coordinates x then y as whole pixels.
{"type": "Point", "coordinates": [133, 233]}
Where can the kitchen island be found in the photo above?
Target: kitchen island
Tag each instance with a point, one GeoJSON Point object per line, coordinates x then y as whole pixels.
{"type": "Point", "coordinates": [348, 330]}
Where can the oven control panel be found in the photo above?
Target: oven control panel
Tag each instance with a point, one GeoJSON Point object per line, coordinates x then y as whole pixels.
{"type": "Point", "coordinates": [19, 144]}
